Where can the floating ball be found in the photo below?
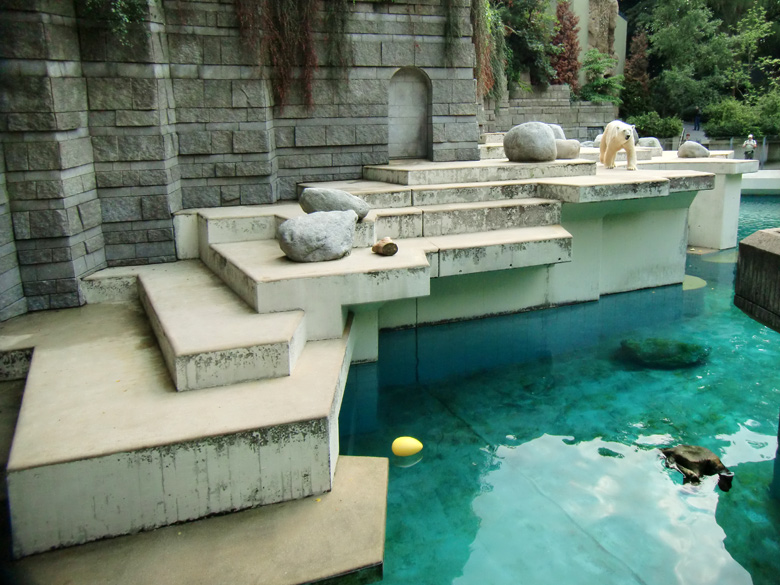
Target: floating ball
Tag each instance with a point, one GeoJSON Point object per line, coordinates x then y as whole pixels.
{"type": "Point", "coordinates": [405, 446]}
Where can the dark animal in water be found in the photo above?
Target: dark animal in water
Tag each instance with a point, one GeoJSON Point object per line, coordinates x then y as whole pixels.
{"type": "Point", "coordinates": [694, 462]}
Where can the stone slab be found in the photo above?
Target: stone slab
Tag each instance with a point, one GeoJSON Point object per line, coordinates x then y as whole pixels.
{"type": "Point", "coordinates": [418, 172]}
{"type": "Point", "coordinates": [642, 153]}
{"type": "Point", "coordinates": [210, 337]}
{"type": "Point", "coordinates": [105, 446]}
{"type": "Point", "coordinates": [462, 218]}
{"type": "Point", "coordinates": [341, 533]}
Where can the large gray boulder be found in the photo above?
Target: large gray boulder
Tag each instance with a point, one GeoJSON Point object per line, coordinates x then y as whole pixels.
{"type": "Point", "coordinates": [567, 149]}
{"type": "Point", "coordinates": [530, 142]}
{"type": "Point", "coordinates": [319, 236]}
{"type": "Point", "coordinates": [558, 131]}
{"type": "Point", "coordinates": [597, 140]}
{"type": "Point", "coordinates": [649, 142]}
{"type": "Point", "coordinates": [691, 149]}
{"type": "Point", "coordinates": [318, 199]}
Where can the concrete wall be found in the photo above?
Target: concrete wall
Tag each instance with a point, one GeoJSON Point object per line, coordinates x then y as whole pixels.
{"type": "Point", "coordinates": [103, 142]}
{"type": "Point", "coordinates": [580, 120]}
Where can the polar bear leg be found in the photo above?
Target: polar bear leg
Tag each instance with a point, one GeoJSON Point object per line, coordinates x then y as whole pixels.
{"type": "Point", "coordinates": [609, 157]}
{"type": "Point", "coordinates": [630, 155]}
{"type": "Point", "coordinates": [602, 148]}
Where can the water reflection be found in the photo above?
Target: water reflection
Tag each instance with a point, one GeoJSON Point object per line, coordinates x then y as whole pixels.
{"type": "Point", "coordinates": [556, 512]}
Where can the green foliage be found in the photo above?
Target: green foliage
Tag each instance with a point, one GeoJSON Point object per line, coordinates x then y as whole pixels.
{"type": "Point", "coordinates": [600, 86]}
{"type": "Point", "coordinates": [768, 107]}
{"type": "Point", "coordinates": [748, 35]}
{"type": "Point", "coordinates": [651, 124]}
{"type": "Point", "coordinates": [490, 48]}
{"type": "Point", "coordinates": [636, 93]}
{"type": "Point", "coordinates": [566, 61]}
{"type": "Point", "coordinates": [531, 28]}
{"type": "Point", "coordinates": [731, 118]}
{"type": "Point", "coordinates": [678, 90]}
{"type": "Point", "coordinates": [119, 14]}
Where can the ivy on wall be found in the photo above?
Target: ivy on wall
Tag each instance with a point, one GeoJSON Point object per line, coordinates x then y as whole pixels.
{"type": "Point", "coordinates": [490, 47]}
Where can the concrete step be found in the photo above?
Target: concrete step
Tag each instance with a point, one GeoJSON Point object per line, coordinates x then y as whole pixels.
{"type": "Point", "coordinates": [428, 173]}
{"type": "Point", "coordinates": [491, 138]}
{"type": "Point", "coordinates": [210, 337]}
{"type": "Point", "coordinates": [463, 218]}
{"type": "Point", "coordinates": [106, 446]}
{"type": "Point", "coordinates": [642, 153]}
{"type": "Point", "coordinates": [260, 273]}
{"type": "Point", "coordinates": [339, 535]}
{"type": "Point", "coordinates": [499, 250]}
{"type": "Point", "coordinates": [417, 195]}
{"type": "Point", "coordinates": [491, 151]}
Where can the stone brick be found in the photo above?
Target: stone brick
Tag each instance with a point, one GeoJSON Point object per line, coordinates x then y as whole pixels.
{"type": "Point", "coordinates": [49, 223]}
{"type": "Point", "coordinates": [284, 138]}
{"type": "Point", "coordinates": [462, 132]}
{"type": "Point", "coordinates": [21, 221]}
{"type": "Point", "coordinates": [340, 135]}
{"type": "Point", "coordinates": [155, 207]}
{"type": "Point", "coordinates": [43, 156]}
{"type": "Point", "coordinates": [398, 53]}
{"type": "Point", "coordinates": [230, 194]}
{"type": "Point", "coordinates": [160, 235]}
{"type": "Point", "coordinates": [90, 213]}
{"type": "Point", "coordinates": [152, 249]}
{"type": "Point", "coordinates": [367, 54]}
{"type": "Point", "coordinates": [108, 179]}
{"type": "Point", "coordinates": [77, 152]}
{"type": "Point", "coordinates": [69, 94]}
{"type": "Point", "coordinates": [225, 169]}
{"type": "Point", "coordinates": [185, 48]}
{"type": "Point", "coordinates": [311, 136]}
{"type": "Point", "coordinates": [137, 148]}
{"type": "Point", "coordinates": [16, 156]}
{"type": "Point", "coordinates": [145, 94]}
{"type": "Point", "coordinates": [250, 141]}
{"type": "Point", "coordinates": [221, 141]}
{"type": "Point", "coordinates": [221, 115]}
{"type": "Point", "coordinates": [25, 94]}
{"type": "Point", "coordinates": [256, 194]}
{"type": "Point", "coordinates": [249, 94]}
{"type": "Point", "coordinates": [253, 169]}
{"type": "Point", "coordinates": [137, 118]}
{"type": "Point", "coordinates": [218, 93]}
{"type": "Point", "coordinates": [44, 190]}
{"type": "Point", "coordinates": [22, 40]}
{"type": "Point", "coordinates": [121, 209]}
{"type": "Point", "coordinates": [192, 115]}
{"type": "Point", "coordinates": [232, 52]}
{"type": "Point", "coordinates": [153, 177]}
{"type": "Point", "coordinates": [35, 122]}
{"type": "Point", "coordinates": [371, 134]}
{"type": "Point", "coordinates": [120, 251]}
{"type": "Point", "coordinates": [110, 93]}
{"type": "Point", "coordinates": [200, 197]}
{"type": "Point", "coordinates": [365, 91]}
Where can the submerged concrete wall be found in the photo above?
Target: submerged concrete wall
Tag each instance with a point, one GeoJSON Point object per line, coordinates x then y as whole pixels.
{"type": "Point", "coordinates": [757, 287]}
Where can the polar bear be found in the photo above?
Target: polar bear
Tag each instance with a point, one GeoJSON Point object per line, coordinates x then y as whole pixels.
{"type": "Point", "coordinates": [617, 136]}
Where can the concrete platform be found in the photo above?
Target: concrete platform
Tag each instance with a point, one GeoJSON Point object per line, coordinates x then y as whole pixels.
{"type": "Point", "coordinates": [765, 182]}
{"type": "Point", "coordinates": [339, 535]}
{"type": "Point", "coordinates": [209, 336]}
{"type": "Point", "coordinates": [419, 172]}
{"type": "Point", "coordinates": [104, 444]}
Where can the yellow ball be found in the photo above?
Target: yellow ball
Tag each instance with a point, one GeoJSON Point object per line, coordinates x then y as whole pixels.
{"type": "Point", "coordinates": [405, 446]}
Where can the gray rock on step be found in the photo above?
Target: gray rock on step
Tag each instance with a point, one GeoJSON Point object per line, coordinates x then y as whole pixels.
{"type": "Point", "coordinates": [319, 236]}
{"type": "Point", "coordinates": [320, 199]}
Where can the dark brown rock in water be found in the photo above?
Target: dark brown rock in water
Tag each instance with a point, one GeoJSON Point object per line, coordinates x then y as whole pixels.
{"type": "Point", "coordinates": [694, 462]}
{"type": "Point", "coordinates": [385, 247]}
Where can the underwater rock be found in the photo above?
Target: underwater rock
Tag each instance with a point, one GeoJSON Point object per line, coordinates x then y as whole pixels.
{"type": "Point", "coordinates": [663, 354]}
{"type": "Point", "coordinates": [694, 462]}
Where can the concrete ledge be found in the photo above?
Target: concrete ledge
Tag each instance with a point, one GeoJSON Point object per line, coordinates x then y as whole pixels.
{"type": "Point", "coordinates": [642, 153]}
{"type": "Point", "coordinates": [428, 173]}
{"type": "Point", "coordinates": [761, 183]}
{"type": "Point", "coordinates": [608, 185]}
{"type": "Point", "coordinates": [341, 533]}
{"type": "Point", "coordinates": [208, 336]}
{"type": "Point", "coordinates": [104, 445]}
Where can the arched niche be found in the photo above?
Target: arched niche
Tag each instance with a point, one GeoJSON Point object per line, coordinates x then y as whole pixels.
{"type": "Point", "coordinates": [410, 130]}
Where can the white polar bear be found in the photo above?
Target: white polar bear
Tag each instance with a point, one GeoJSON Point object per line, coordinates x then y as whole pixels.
{"type": "Point", "coordinates": [617, 136]}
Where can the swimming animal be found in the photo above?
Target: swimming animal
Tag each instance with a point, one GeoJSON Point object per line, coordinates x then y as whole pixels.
{"type": "Point", "coordinates": [694, 462]}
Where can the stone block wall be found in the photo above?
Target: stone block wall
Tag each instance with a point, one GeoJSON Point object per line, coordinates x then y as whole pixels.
{"type": "Point", "coordinates": [12, 299]}
{"type": "Point", "coordinates": [553, 105]}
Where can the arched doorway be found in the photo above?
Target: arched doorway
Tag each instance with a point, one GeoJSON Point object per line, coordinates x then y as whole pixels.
{"type": "Point", "coordinates": [409, 115]}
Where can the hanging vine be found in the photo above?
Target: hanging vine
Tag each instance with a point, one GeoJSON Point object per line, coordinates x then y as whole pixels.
{"type": "Point", "coordinates": [338, 52]}
{"type": "Point", "coordinates": [452, 31]}
{"type": "Point", "coordinates": [490, 47]}
{"type": "Point", "coordinates": [282, 30]}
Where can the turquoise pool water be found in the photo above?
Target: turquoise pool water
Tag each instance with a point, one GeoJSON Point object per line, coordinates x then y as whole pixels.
{"type": "Point", "coordinates": [540, 463]}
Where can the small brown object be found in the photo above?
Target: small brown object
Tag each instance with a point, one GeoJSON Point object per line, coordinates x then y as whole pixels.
{"type": "Point", "coordinates": [385, 247]}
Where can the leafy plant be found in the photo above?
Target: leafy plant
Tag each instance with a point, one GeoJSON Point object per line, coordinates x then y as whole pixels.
{"type": "Point", "coordinates": [600, 86]}
{"type": "Point", "coordinates": [636, 94]}
{"type": "Point", "coordinates": [651, 124]}
{"type": "Point", "coordinates": [731, 118]}
{"type": "Point", "coordinates": [490, 47]}
{"type": "Point", "coordinates": [119, 14]}
{"type": "Point", "coordinates": [566, 62]}
{"type": "Point", "coordinates": [530, 29]}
